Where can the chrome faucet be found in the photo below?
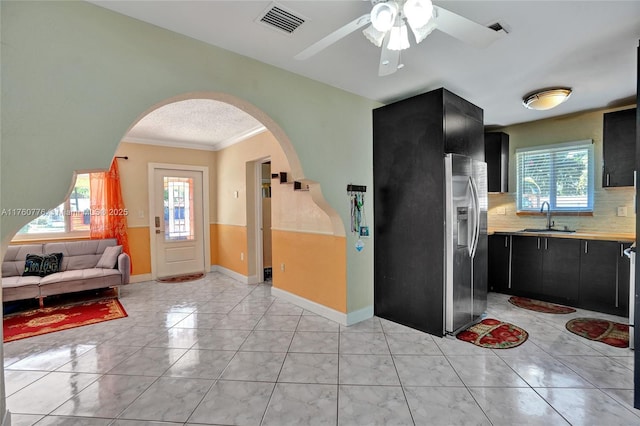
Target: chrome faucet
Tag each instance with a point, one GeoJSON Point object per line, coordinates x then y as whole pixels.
{"type": "Point", "coordinates": [549, 224]}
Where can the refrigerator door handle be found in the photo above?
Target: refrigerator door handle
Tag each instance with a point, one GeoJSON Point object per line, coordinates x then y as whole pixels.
{"type": "Point", "coordinates": [476, 217]}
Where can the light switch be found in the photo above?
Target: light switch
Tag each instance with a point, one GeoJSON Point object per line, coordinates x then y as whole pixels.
{"type": "Point", "coordinates": [622, 211]}
{"type": "Point", "coordinates": [235, 194]}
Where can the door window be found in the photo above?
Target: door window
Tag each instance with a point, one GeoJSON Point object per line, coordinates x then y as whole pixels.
{"type": "Point", "coordinates": [179, 223]}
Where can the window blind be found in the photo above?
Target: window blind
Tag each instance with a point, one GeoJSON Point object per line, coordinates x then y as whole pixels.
{"type": "Point", "coordinates": [560, 174]}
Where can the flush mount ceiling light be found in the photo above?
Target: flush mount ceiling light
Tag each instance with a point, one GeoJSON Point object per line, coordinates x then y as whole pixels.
{"type": "Point", "coordinates": [543, 100]}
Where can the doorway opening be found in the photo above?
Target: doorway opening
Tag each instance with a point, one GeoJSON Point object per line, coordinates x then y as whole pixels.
{"type": "Point", "coordinates": [264, 220]}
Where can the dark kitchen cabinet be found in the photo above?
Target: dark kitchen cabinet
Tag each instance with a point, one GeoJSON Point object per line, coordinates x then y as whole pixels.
{"type": "Point", "coordinates": [623, 281]}
{"type": "Point", "coordinates": [496, 155]}
{"type": "Point", "coordinates": [561, 270]}
{"type": "Point", "coordinates": [410, 138]}
{"type": "Point", "coordinates": [619, 148]}
{"type": "Point", "coordinates": [499, 261]}
{"type": "Point", "coordinates": [545, 268]}
{"type": "Point", "coordinates": [526, 266]}
{"type": "Point", "coordinates": [598, 275]}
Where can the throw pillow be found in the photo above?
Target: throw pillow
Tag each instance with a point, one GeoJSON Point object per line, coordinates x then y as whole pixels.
{"type": "Point", "coordinates": [109, 257]}
{"type": "Point", "coordinates": [50, 264]}
{"type": "Point", "coordinates": [32, 265]}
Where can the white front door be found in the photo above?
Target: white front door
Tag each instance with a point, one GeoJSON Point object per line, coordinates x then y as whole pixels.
{"type": "Point", "coordinates": [178, 222]}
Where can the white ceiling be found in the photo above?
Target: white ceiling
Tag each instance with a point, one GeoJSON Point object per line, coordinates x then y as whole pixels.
{"type": "Point", "coordinates": [589, 46]}
{"type": "Point", "coordinates": [195, 123]}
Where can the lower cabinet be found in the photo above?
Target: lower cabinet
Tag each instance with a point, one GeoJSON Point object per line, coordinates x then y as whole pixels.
{"type": "Point", "coordinates": [526, 266]}
{"type": "Point", "coordinates": [546, 267]}
{"type": "Point", "coordinates": [589, 274]}
{"type": "Point", "coordinates": [499, 249]}
{"type": "Point", "coordinates": [604, 277]}
{"type": "Point", "coordinates": [561, 270]}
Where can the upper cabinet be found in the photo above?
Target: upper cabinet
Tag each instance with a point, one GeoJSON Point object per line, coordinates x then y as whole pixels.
{"type": "Point", "coordinates": [496, 154]}
{"type": "Point", "coordinates": [619, 148]}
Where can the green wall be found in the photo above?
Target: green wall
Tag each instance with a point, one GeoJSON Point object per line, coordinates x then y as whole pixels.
{"type": "Point", "coordinates": [76, 77]}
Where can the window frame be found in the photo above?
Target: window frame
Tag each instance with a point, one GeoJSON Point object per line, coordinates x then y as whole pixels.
{"type": "Point", "coordinates": [551, 148]}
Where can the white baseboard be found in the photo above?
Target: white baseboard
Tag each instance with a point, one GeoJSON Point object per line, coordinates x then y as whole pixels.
{"type": "Point", "coordinates": [6, 420]}
{"type": "Point", "coordinates": [359, 315]}
{"type": "Point", "coordinates": [252, 279]}
{"type": "Point", "coordinates": [140, 278]}
{"type": "Point", "coordinates": [337, 316]}
{"type": "Point", "coordinates": [233, 274]}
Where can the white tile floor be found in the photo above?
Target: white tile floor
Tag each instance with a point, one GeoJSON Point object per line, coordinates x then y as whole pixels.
{"type": "Point", "coordinates": [215, 351]}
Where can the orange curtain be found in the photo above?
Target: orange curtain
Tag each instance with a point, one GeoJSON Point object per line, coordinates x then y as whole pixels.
{"type": "Point", "coordinates": [108, 213]}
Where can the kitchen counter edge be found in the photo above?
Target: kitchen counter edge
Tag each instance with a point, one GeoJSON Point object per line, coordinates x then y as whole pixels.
{"type": "Point", "coordinates": [581, 235]}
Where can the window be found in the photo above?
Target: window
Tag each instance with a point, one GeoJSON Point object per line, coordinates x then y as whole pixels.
{"type": "Point", "coordinates": [72, 216]}
{"type": "Point", "coordinates": [561, 175]}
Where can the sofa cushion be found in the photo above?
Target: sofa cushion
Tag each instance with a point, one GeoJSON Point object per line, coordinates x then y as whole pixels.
{"type": "Point", "coordinates": [18, 281]}
{"type": "Point", "coordinates": [80, 254]}
{"type": "Point", "coordinates": [13, 262]}
{"type": "Point", "coordinates": [50, 263]}
{"type": "Point", "coordinates": [109, 257]}
{"type": "Point", "coordinates": [77, 275]}
{"type": "Point", "coordinates": [33, 265]}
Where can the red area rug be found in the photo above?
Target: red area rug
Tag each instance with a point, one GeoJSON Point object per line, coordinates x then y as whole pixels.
{"type": "Point", "coordinates": [539, 306]}
{"type": "Point", "coordinates": [47, 320]}
{"type": "Point", "coordinates": [181, 278]}
{"type": "Point", "coordinates": [493, 334]}
{"type": "Point", "coordinates": [600, 330]}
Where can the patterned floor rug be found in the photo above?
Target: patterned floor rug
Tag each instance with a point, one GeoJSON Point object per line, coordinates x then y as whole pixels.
{"type": "Point", "coordinates": [63, 317]}
{"type": "Point", "coordinates": [600, 330]}
{"type": "Point", "coordinates": [181, 278]}
{"type": "Point", "coordinates": [493, 334]}
{"type": "Point", "coordinates": [539, 306]}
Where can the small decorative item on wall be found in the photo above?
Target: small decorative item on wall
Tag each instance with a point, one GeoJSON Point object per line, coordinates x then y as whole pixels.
{"type": "Point", "coordinates": [358, 218]}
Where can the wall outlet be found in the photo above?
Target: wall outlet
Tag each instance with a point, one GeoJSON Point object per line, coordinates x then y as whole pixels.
{"type": "Point", "coordinates": [282, 267]}
{"type": "Point", "coordinates": [622, 211]}
{"type": "Point", "coordinates": [501, 210]}
{"type": "Point", "coordinates": [141, 214]}
{"type": "Point", "coordinates": [241, 256]}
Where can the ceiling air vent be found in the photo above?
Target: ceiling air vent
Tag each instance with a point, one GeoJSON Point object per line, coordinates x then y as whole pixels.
{"type": "Point", "coordinates": [497, 27]}
{"type": "Point", "coordinates": [281, 19]}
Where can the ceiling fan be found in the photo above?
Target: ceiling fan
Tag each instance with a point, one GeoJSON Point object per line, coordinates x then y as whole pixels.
{"type": "Point", "coordinates": [388, 29]}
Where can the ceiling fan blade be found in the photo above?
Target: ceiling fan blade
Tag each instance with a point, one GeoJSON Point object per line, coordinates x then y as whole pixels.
{"type": "Point", "coordinates": [465, 29]}
{"type": "Point", "coordinates": [334, 37]}
{"type": "Point", "coordinates": [388, 59]}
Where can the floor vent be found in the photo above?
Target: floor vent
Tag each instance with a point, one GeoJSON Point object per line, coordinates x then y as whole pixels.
{"type": "Point", "coordinates": [280, 18]}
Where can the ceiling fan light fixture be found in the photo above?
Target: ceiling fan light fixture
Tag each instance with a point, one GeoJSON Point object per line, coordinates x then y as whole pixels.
{"type": "Point", "coordinates": [543, 100]}
{"type": "Point", "coordinates": [398, 38]}
{"type": "Point", "coordinates": [418, 12]}
{"type": "Point", "coordinates": [383, 15]}
{"type": "Point", "coordinates": [422, 32]}
{"type": "Point", "coordinates": [374, 36]}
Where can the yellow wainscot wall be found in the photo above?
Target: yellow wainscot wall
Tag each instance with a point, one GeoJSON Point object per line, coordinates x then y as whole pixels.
{"type": "Point", "coordinates": [303, 239]}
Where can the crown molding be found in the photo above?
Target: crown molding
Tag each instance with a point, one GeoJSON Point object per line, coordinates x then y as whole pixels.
{"type": "Point", "coordinates": [197, 145]}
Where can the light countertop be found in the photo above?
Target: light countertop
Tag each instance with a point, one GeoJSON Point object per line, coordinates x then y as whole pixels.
{"type": "Point", "coordinates": [582, 235]}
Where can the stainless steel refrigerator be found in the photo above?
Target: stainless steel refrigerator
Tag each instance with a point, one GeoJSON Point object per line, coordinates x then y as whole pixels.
{"type": "Point", "coordinates": [465, 241]}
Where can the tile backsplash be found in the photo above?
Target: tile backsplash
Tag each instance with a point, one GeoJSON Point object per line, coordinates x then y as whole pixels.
{"type": "Point", "coordinates": [502, 213]}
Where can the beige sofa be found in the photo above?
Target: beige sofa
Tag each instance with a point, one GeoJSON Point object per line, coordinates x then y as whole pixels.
{"type": "Point", "coordinates": [83, 267]}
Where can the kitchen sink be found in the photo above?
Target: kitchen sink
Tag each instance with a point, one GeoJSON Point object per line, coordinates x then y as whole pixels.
{"type": "Point", "coordinates": [547, 230]}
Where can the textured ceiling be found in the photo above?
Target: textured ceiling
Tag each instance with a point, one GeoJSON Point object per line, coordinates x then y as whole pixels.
{"type": "Point", "coordinates": [198, 123]}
